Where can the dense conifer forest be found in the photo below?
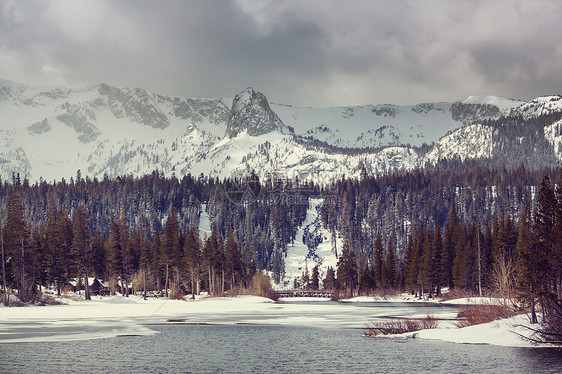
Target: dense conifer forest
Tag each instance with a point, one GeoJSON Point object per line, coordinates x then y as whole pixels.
{"type": "Point", "coordinates": [456, 225]}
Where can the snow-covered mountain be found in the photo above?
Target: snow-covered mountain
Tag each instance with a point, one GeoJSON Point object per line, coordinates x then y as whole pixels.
{"type": "Point", "coordinates": [375, 126]}
{"type": "Point", "coordinates": [51, 132]}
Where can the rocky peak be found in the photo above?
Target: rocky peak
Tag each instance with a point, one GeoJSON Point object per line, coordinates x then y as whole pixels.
{"type": "Point", "coordinates": [251, 112]}
{"type": "Point", "coordinates": [8, 89]}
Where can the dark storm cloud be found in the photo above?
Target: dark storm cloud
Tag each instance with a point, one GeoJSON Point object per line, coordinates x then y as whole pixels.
{"type": "Point", "coordinates": [297, 52]}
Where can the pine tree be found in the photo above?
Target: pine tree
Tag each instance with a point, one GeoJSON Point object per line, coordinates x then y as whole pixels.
{"type": "Point", "coordinates": [314, 279]}
{"type": "Point", "coordinates": [366, 281]}
{"type": "Point", "coordinates": [347, 269]}
{"type": "Point", "coordinates": [248, 264]}
{"type": "Point", "coordinates": [119, 249]}
{"type": "Point", "coordinates": [487, 259]}
{"type": "Point", "coordinates": [450, 238]}
{"type": "Point", "coordinates": [557, 255]}
{"type": "Point", "coordinates": [35, 261]}
{"type": "Point", "coordinates": [427, 271]}
{"type": "Point", "coordinates": [278, 266]}
{"type": "Point", "coordinates": [437, 255]}
{"type": "Point", "coordinates": [378, 259]}
{"type": "Point", "coordinates": [155, 263]}
{"type": "Point", "coordinates": [460, 258]}
{"type": "Point", "coordinates": [116, 252]}
{"type": "Point", "coordinates": [53, 251]}
{"type": "Point", "coordinates": [64, 236]}
{"type": "Point", "coordinates": [210, 248]}
{"type": "Point", "coordinates": [544, 222]}
{"type": "Point", "coordinates": [126, 255]}
{"type": "Point", "coordinates": [99, 258]}
{"type": "Point", "coordinates": [220, 262]}
{"type": "Point", "coordinates": [410, 265]}
{"type": "Point", "coordinates": [232, 258]}
{"type": "Point", "coordinates": [479, 257]}
{"type": "Point", "coordinates": [139, 242]}
{"type": "Point", "coordinates": [389, 267]}
{"type": "Point", "coordinates": [16, 244]}
{"type": "Point", "coordinates": [527, 274]}
{"type": "Point", "coordinates": [329, 283]}
{"type": "Point", "coordinates": [305, 277]}
{"type": "Point", "coordinates": [170, 245]}
{"type": "Point", "coordinates": [192, 260]}
{"type": "Point", "coordinates": [81, 245]}
{"type": "Point", "coordinates": [4, 283]}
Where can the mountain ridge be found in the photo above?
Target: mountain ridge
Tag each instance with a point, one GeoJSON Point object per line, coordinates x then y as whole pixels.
{"type": "Point", "coordinates": [105, 130]}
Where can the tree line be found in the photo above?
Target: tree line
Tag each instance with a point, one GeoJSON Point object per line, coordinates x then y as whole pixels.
{"type": "Point", "coordinates": [175, 260]}
{"type": "Point", "coordinates": [472, 255]}
{"type": "Point", "coordinates": [127, 227]}
{"type": "Point", "coordinates": [515, 258]}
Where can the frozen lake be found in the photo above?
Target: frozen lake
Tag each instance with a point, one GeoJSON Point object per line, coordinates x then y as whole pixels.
{"type": "Point", "coordinates": [134, 316]}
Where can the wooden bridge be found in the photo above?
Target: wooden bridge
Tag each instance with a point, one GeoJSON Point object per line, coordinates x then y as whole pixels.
{"type": "Point", "coordinates": [304, 293]}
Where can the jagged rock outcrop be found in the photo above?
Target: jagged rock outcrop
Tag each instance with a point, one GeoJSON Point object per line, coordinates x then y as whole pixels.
{"type": "Point", "coordinates": [251, 112]}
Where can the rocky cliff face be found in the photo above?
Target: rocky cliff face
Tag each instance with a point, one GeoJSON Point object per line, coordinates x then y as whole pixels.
{"type": "Point", "coordinates": [251, 113]}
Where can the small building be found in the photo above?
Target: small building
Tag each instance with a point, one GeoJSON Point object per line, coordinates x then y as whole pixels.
{"type": "Point", "coordinates": [98, 287]}
{"type": "Point", "coordinates": [73, 285]}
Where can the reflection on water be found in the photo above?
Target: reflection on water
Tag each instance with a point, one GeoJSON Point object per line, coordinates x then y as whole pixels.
{"type": "Point", "coordinates": [268, 348]}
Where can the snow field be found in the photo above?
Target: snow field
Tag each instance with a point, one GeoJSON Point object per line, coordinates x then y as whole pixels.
{"type": "Point", "coordinates": [299, 256]}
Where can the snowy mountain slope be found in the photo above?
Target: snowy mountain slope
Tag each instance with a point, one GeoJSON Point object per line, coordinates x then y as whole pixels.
{"type": "Point", "coordinates": [504, 104]}
{"type": "Point", "coordinates": [390, 125]}
{"type": "Point", "coordinates": [539, 106]}
{"type": "Point", "coordinates": [51, 132]}
{"type": "Point", "coordinates": [553, 134]}
{"type": "Point", "coordinates": [473, 141]}
{"type": "Point", "coordinates": [54, 131]}
{"type": "Point", "coordinates": [312, 246]}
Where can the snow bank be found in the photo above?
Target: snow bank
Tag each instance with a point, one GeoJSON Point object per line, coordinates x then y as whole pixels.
{"type": "Point", "coordinates": [390, 298]}
{"type": "Point", "coordinates": [475, 301]}
{"type": "Point", "coordinates": [406, 297]}
{"type": "Point", "coordinates": [117, 315]}
{"type": "Point", "coordinates": [502, 332]}
{"type": "Point", "coordinates": [112, 316]}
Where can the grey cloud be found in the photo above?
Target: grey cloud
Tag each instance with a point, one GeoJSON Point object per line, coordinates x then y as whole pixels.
{"type": "Point", "coordinates": [303, 53]}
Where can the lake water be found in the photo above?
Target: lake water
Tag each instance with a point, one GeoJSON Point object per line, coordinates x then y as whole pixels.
{"type": "Point", "coordinates": [269, 349]}
{"type": "Point", "coordinates": [229, 347]}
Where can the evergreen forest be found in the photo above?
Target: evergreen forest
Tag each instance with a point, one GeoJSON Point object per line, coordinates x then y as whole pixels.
{"type": "Point", "coordinates": [455, 225]}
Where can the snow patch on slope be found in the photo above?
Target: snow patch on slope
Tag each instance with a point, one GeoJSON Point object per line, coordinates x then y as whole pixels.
{"type": "Point", "coordinates": [553, 134]}
{"type": "Point", "coordinates": [312, 247]}
{"type": "Point", "coordinates": [355, 127]}
{"type": "Point", "coordinates": [504, 104]}
{"type": "Point", "coordinates": [473, 141]}
{"type": "Point", "coordinates": [540, 106]}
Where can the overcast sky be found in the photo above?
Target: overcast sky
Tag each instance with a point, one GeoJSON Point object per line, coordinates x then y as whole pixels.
{"type": "Point", "coordinates": [304, 53]}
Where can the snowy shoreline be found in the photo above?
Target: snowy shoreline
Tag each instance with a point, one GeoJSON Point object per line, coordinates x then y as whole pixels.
{"type": "Point", "coordinates": [117, 316]}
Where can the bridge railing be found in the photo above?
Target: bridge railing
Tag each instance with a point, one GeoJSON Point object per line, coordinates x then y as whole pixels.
{"type": "Point", "coordinates": [304, 293]}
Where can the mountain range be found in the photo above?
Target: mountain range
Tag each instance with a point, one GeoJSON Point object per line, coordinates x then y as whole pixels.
{"type": "Point", "coordinates": [103, 130]}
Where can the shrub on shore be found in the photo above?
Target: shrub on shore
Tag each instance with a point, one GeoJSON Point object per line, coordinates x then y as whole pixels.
{"type": "Point", "coordinates": [470, 315]}
{"type": "Point", "coordinates": [401, 326]}
{"type": "Point", "coordinates": [260, 286]}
